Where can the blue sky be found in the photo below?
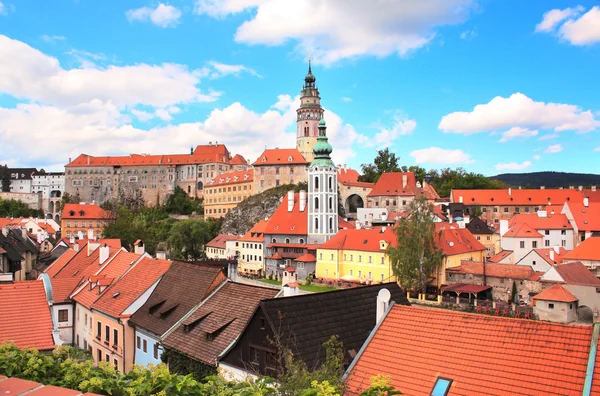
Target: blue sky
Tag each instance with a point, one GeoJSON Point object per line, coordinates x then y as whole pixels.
{"type": "Point", "coordinates": [491, 85]}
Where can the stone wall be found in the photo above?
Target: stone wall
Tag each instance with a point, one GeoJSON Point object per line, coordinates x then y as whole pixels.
{"type": "Point", "coordinates": [32, 200]}
{"type": "Point", "coordinates": [501, 287]}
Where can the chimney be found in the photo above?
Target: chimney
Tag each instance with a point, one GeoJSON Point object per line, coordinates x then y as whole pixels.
{"type": "Point", "coordinates": [460, 199]}
{"type": "Point", "coordinates": [383, 302]}
{"type": "Point", "coordinates": [90, 235]}
{"type": "Point", "coordinates": [80, 234]}
{"type": "Point", "coordinates": [542, 213]}
{"type": "Point", "coordinates": [5, 231]}
{"type": "Point", "coordinates": [6, 278]}
{"type": "Point", "coordinates": [542, 187]}
{"type": "Point", "coordinates": [509, 191]}
{"type": "Point", "coordinates": [556, 249]}
{"type": "Point", "coordinates": [24, 232]}
{"type": "Point", "coordinates": [593, 188]}
{"type": "Point", "coordinates": [552, 254]}
{"type": "Point", "coordinates": [291, 290]}
{"type": "Point", "coordinates": [586, 202]}
{"type": "Point", "coordinates": [404, 180]}
{"type": "Point", "coordinates": [290, 201]}
{"type": "Point", "coordinates": [232, 270]}
{"type": "Point", "coordinates": [139, 247]}
{"type": "Point", "coordinates": [162, 255]}
{"type": "Point", "coordinates": [72, 240]}
{"type": "Point", "coordinates": [76, 247]}
{"type": "Point", "coordinates": [571, 187]}
{"type": "Point", "coordinates": [302, 200]}
{"type": "Point", "coordinates": [104, 253]}
{"type": "Point", "coordinates": [289, 282]}
{"type": "Point", "coordinates": [88, 158]}
{"type": "Point", "coordinates": [580, 188]}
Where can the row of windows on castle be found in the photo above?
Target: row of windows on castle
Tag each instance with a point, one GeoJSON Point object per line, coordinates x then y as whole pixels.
{"type": "Point", "coordinates": [534, 244]}
{"type": "Point", "coordinates": [189, 170]}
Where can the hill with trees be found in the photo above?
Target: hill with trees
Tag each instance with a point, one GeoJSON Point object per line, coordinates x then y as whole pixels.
{"type": "Point", "coordinates": [548, 179]}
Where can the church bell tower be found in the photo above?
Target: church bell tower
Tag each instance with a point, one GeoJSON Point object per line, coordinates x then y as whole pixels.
{"type": "Point", "coordinates": [308, 115]}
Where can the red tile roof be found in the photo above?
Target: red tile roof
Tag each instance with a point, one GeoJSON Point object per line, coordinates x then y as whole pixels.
{"type": "Point", "coordinates": [556, 293]}
{"type": "Point", "coordinates": [225, 179]}
{"type": "Point", "coordinates": [349, 183]}
{"type": "Point", "coordinates": [483, 355]}
{"type": "Point", "coordinates": [550, 222]}
{"type": "Point", "coordinates": [366, 240]}
{"type": "Point", "coordinates": [131, 286]}
{"type": "Point", "coordinates": [586, 250]}
{"type": "Point", "coordinates": [527, 197]}
{"type": "Point", "coordinates": [390, 184]}
{"type": "Point", "coordinates": [284, 222]}
{"type": "Point", "coordinates": [220, 240]}
{"type": "Point", "coordinates": [4, 221]}
{"type": "Point", "coordinates": [592, 193]}
{"type": "Point", "coordinates": [25, 315]}
{"type": "Point", "coordinates": [577, 274]}
{"type": "Point", "coordinates": [344, 224]}
{"type": "Point", "coordinates": [256, 233]}
{"type": "Point", "coordinates": [500, 256]}
{"type": "Point", "coordinates": [280, 157]}
{"type": "Point", "coordinates": [558, 257]}
{"type": "Point", "coordinates": [239, 160]}
{"type": "Point", "coordinates": [306, 258]}
{"type": "Point", "coordinates": [347, 174]}
{"type": "Point", "coordinates": [84, 211]}
{"type": "Point", "coordinates": [60, 262]}
{"type": "Point", "coordinates": [522, 230]}
{"type": "Point", "coordinates": [510, 271]}
{"type": "Point", "coordinates": [453, 240]}
{"type": "Point", "coordinates": [587, 218]}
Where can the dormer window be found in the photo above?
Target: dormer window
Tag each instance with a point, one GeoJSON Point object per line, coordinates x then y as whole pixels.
{"type": "Point", "coordinates": [264, 159]}
{"type": "Point", "coordinates": [71, 213]}
{"type": "Point", "coordinates": [81, 213]}
{"type": "Point", "coordinates": [290, 158]}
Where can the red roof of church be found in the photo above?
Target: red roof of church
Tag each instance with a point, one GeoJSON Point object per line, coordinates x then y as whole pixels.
{"type": "Point", "coordinates": [256, 233]}
{"type": "Point", "coordinates": [243, 176]}
{"type": "Point", "coordinates": [280, 157]}
{"type": "Point", "coordinates": [284, 222]}
{"type": "Point", "coordinates": [391, 184]}
{"type": "Point", "coordinates": [528, 197]}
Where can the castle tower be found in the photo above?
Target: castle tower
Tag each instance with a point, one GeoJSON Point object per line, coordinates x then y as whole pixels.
{"type": "Point", "coordinates": [322, 191]}
{"type": "Point", "coordinates": [308, 115]}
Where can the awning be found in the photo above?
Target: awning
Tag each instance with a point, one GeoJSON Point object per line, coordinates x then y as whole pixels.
{"type": "Point", "coordinates": [465, 288]}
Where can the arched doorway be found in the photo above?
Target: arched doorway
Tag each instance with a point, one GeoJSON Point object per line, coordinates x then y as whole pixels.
{"type": "Point", "coordinates": [585, 314]}
{"type": "Point", "coordinates": [57, 219]}
{"type": "Point", "coordinates": [353, 202]}
{"type": "Point", "coordinates": [200, 186]}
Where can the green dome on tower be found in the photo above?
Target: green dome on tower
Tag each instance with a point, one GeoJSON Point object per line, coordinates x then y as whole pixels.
{"type": "Point", "coordinates": [322, 149]}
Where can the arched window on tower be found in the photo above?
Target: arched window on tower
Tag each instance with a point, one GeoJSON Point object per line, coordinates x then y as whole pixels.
{"type": "Point", "coordinates": [331, 224]}
{"type": "Point", "coordinates": [330, 183]}
{"type": "Point", "coordinates": [316, 202]}
{"type": "Point", "coordinates": [316, 224]}
{"type": "Point", "coordinates": [316, 182]}
{"type": "Point", "coordinates": [330, 203]}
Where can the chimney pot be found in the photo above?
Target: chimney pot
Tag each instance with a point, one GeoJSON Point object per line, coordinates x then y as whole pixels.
{"type": "Point", "coordinates": [383, 302]}
{"type": "Point", "coordinates": [290, 201]}
{"type": "Point", "coordinates": [586, 202]}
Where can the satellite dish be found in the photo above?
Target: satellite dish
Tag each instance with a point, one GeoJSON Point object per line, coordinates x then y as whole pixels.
{"type": "Point", "coordinates": [384, 295]}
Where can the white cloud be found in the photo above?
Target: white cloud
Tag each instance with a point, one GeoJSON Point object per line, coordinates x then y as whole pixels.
{"type": "Point", "coordinates": [518, 110]}
{"type": "Point", "coordinates": [597, 149]}
{"type": "Point", "coordinates": [468, 34]}
{"type": "Point", "coordinates": [516, 132]}
{"type": "Point", "coordinates": [223, 69]}
{"type": "Point", "coordinates": [163, 15]}
{"type": "Point", "coordinates": [29, 74]}
{"type": "Point", "coordinates": [552, 18]}
{"type": "Point", "coordinates": [3, 9]}
{"type": "Point", "coordinates": [537, 157]}
{"type": "Point", "coordinates": [339, 29]}
{"type": "Point", "coordinates": [52, 39]}
{"type": "Point", "coordinates": [555, 148]}
{"type": "Point", "coordinates": [346, 99]}
{"type": "Point", "coordinates": [402, 126]}
{"type": "Point", "coordinates": [514, 166]}
{"type": "Point", "coordinates": [436, 155]}
{"type": "Point", "coordinates": [549, 136]}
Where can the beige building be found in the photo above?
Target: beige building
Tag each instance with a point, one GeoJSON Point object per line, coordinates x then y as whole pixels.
{"type": "Point", "coordinates": [226, 191]}
{"type": "Point", "coordinates": [395, 190]}
{"type": "Point", "coordinates": [223, 246]}
{"type": "Point", "coordinates": [251, 245]}
{"type": "Point", "coordinates": [276, 167]}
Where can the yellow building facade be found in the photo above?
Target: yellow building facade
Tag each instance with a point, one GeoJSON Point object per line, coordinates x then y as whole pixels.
{"type": "Point", "coordinates": [226, 191]}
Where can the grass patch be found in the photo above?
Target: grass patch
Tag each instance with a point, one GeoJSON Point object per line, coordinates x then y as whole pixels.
{"type": "Point", "coordinates": [308, 288]}
{"type": "Point", "coordinates": [270, 281]}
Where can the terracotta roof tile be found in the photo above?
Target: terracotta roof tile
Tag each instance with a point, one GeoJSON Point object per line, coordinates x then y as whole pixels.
{"type": "Point", "coordinates": [350, 183]}
{"type": "Point", "coordinates": [306, 258]}
{"type": "Point", "coordinates": [84, 211]}
{"type": "Point", "coordinates": [25, 314]}
{"type": "Point", "coordinates": [366, 240]}
{"type": "Point", "coordinates": [131, 286]}
{"type": "Point", "coordinates": [17, 387]}
{"type": "Point", "coordinates": [554, 221]}
{"type": "Point", "coordinates": [556, 293]}
{"type": "Point", "coordinates": [347, 174]}
{"type": "Point", "coordinates": [280, 157]}
{"type": "Point", "coordinates": [586, 250]}
{"type": "Point", "coordinates": [220, 240]}
{"type": "Point", "coordinates": [522, 230]}
{"type": "Point", "coordinates": [577, 274]}
{"type": "Point", "coordinates": [483, 355]}
{"type": "Point", "coordinates": [546, 253]}
{"type": "Point", "coordinates": [60, 262]}
{"type": "Point", "coordinates": [239, 160]}
{"type": "Point", "coordinates": [500, 256]}
{"type": "Point", "coordinates": [285, 222]}
{"type": "Point", "coordinates": [525, 197]}
{"type": "Point", "coordinates": [224, 314]}
{"type": "Point", "coordinates": [224, 179]}
{"type": "Point", "coordinates": [587, 218]}
{"type": "Point", "coordinates": [256, 233]}
{"type": "Point", "coordinates": [510, 271]}
{"type": "Point", "coordinates": [453, 240]}
{"type": "Point", "coordinates": [391, 184]}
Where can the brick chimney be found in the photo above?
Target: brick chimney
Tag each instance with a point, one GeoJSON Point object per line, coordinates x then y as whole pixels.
{"type": "Point", "coordinates": [139, 247]}
{"type": "Point", "coordinates": [104, 253]}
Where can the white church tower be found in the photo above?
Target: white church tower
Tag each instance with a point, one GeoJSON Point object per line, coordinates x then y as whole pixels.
{"type": "Point", "coordinates": [322, 191]}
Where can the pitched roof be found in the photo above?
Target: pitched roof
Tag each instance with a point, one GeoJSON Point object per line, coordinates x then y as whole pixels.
{"type": "Point", "coordinates": [21, 173]}
{"type": "Point", "coordinates": [280, 156]}
{"type": "Point", "coordinates": [239, 160]}
{"type": "Point", "coordinates": [577, 274]}
{"type": "Point", "coordinates": [545, 253]}
{"type": "Point", "coordinates": [217, 322]}
{"type": "Point", "coordinates": [181, 288]}
{"type": "Point", "coordinates": [285, 222]}
{"type": "Point", "coordinates": [525, 197]}
{"type": "Point", "coordinates": [84, 212]}
{"type": "Point", "coordinates": [452, 240]}
{"type": "Point", "coordinates": [510, 271]}
{"type": "Point", "coordinates": [522, 230]}
{"type": "Point", "coordinates": [347, 174]}
{"type": "Point", "coordinates": [350, 183]}
{"type": "Point", "coordinates": [501, 255]}
{"type": "Point", "coordinates": [366, 240]}
{"type": "Point", "coordinates": [226, 179]}
{"type": "Point", "coordinates": [220, 240]}
{"type": "Point", "coordinates": [60, 262]}
{"type": "Point", "coordinates": [481, 354]}
{"type": "Point", "coordinates": [306, 258]}
{"type": "Point", "coordinates": [121, 294]}
{"type": "Point", "coordinates": [391, 184]}
{"type": "Point", "coordinates": [308, 320]}
{"type": "Point", "coordinates": [478, 227]}
{"type": "Point", "coordinates": [555, 221]}
{"type": "Point", "coordinates": [556, 293]}
{"type": "Point", "coordinates": [586, 250]}
{"type": "Point", "coordinates": [256, 233]}
{"type": "Point", "coordinates": [17, 386]}
{"type": "Point", "coordinates": [587, 218]}
{"type": "Point", "coordinates": [25, 314]}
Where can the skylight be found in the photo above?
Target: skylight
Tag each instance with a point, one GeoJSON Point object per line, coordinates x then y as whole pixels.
{"type": "Point", "coordinates": [116, 294]}
{"type": "Point", "coordinates": [441, 387]}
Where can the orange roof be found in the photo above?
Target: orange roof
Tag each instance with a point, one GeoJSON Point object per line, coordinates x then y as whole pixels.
{"type": "Point", "coordinates": [555, 221]}
{"type": "Point", "coordinates": [586, 250]}
{"type": "Point", "coordinates": [510, 271]}
{"type": "Point", "coordinates": [483, 355]}
{"type": "Point", "coordinates": [25, 314]}
{"type": "Point", "coordinates": [115, 267]}
{"type": "Point", "coordinates": [522, 230]}
{"type": "Point", "coordinates": [243, 176]}
{"type": "Point", "coordinates": [500, 256]}
{"type": "Point", "coordinates": [4, 221]}
{"type": "Point", "coordinates": [280, 157]}
{"type": "Point", "coordinates": [60, 262]}
{"type": "Point", "coordinates": [527, 197]}
{"type": "Point", "coordinates": [121, 294]}
{"type": "Point", "coordinates": [592, 193]}
{"type": "Point", "coordinates": [347, 174]}
{"type": "Point", "coordinates": [576, 273]}
{"type": "Point", "coordinates": [284, 222]}
{"type": "Point", "coordinates": [350, 183]}
{"type": "Point", "coordinates": [84, 211]}
{"type": "Point", "coordinates": [306, 258]}
{"type": "Point", "coordinates": [256, 233]}
{"type": "Point", "coordinates": [452, 240]}
{"type": "Point", "coordinates": [558, 257]}
{"type": "Point", "coordinates": [17, 386]}
{"type": "Point", "coordinates": [275, 256]}
{"type": "Point", "coordinates": [220, 240]}
{"type": "Point", "coordinates": [556, 293]}
{"type": "Point", "coordinates": [202, 154]}
{"type": "Point", "coordinates": [365, 240]}
{"type": "Point", "coordinates": [390, 184]}
{"type": "Point", "coordinates": [238, 160]}
{"type": "Point", "coordinates": [587, 218]}
{"type": "Point", "coordinates": [345, 224]}
{"type": "Point", "coordinates": [70, 276]}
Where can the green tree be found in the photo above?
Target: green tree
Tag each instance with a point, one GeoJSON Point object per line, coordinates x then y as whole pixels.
{"type": "Point", "coordinates": [188, 237]}
{"type": "Point", "coordinates": [383, 162]}
{"type": "Point", "coordinates": [416, 256]}
{"type": "Point", "coordinates": [4, 178]}
{"type": "Point", "coordinates": [12, 208]}
{"type": "Point", "coordinates": [180, 203]}
{"type": "Point", "coordinates": [447, 179]}
{"type": "Point", "coordinates": [380, 386]}
{"type": "Point", "coordinates": [514, 293]}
